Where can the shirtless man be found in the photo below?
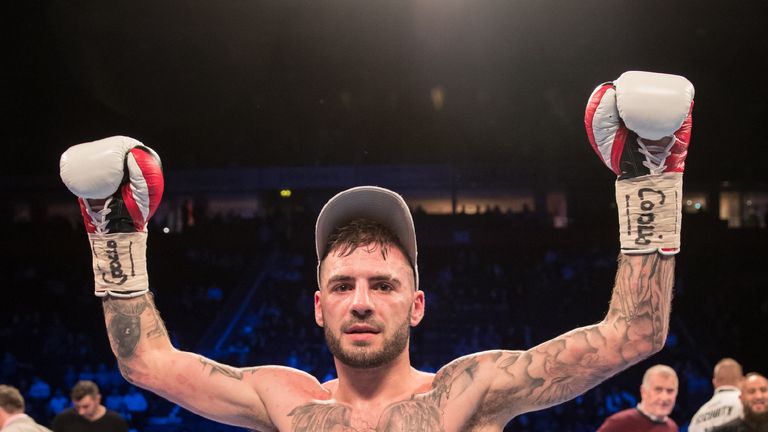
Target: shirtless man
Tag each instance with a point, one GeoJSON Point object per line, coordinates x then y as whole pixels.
{"type": "Point", "coordinates": [369, 295]}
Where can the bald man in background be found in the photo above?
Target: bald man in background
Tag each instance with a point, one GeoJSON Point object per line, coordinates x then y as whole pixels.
{"type": "Point", "coordinates": [754, 398]}
{"type": "Point", "coordinates": [725, 404]}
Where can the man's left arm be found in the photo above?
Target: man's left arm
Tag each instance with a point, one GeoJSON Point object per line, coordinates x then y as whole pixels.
{"type": "Point", "coordinates": [640, 126]}
{"type": "Point", "coordinates": [562, 368]}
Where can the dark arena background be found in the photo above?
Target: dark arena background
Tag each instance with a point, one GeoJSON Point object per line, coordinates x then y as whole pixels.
{"type": "Point", "coordinates": [473, 110]}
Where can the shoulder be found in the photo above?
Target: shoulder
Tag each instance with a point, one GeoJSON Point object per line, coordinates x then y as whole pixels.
{"type": "Point", "coordinates": [475, 363]}
{"type": "Point", "coordinates": [113, 415]}
{"type": "Point", "coordinates": [113, 421]}
{"type": "Point", "coordinates": [24, 424]}
{"type": "Point", "coordinates": [66, 413]}
{"type": "Point", "coordinates": [629, 413]}
{"type": "Point", "coordinates": [65, 416]}
{"type": "Point", "coordinates": [292, 381]}
{"type": "Point", "coordinates": [615, 421]}
{"type": "Point", "coordinates": [726, 394]}
{"type": "Point", "coordinates": [732, 426]}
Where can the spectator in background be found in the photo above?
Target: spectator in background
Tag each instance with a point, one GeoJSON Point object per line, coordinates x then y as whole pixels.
{"type": "Point", "coordinates": [754, 398]}
{"type": "Point", "coordinates": [88, 414]}
{"type": "Point", "coordinates": [725, 404]}
{"type": "Point", "coordinates": [657, 399]}
{"type": "Point", "coordinates": [12, 417]}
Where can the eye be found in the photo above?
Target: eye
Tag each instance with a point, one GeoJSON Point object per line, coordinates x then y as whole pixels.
{"type": "Point", "coordinates": [341, 287]}
{"type": "Point", "coordinates": [384, 286]}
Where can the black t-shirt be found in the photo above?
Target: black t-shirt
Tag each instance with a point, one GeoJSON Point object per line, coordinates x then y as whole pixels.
{"type": "Point", "coordinates": [739, 425]}
{"type": "Point", "coordinates": [69, 421]}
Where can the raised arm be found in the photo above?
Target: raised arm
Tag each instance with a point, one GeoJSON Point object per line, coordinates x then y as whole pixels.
{"type": "Point", "coordinates": [119, 183]}
{"type": "Point", "coordinates": [147, 359]}
{"type": "Point", "coordinates": [567, 366]}
{"type": "Point", "coordinates": [640, 127]}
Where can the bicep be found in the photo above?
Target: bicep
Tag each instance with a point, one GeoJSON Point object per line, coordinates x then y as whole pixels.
{"type": "Point", "coordinates": [216, 391]}
{"type": "Point", "coordinates": [146, 358]}
{"type": "Point", "coordinates": [567, 366]}
{"type": "Point", "coordinates": [557, 370]}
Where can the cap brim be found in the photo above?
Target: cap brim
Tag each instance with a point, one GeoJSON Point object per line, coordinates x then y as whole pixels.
{"type": "Point", "coordinates": [369, 202]}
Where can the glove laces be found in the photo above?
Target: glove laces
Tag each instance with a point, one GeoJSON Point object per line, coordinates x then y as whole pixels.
{"type": "Point", "coordinates": [99, 218]}
{"type": "Point", "coordinates": [655, 155]}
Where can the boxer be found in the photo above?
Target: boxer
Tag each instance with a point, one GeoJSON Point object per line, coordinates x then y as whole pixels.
{"type": "Point", "coordinates": [369, 296]}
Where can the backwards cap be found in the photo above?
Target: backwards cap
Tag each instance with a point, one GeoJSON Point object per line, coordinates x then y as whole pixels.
{"type": "Point", "coordinates": [370, 202]}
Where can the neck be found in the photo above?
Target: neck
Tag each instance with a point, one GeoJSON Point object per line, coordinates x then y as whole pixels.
{"type": "Point", "coordinates": [660, 419]}
{"type": "Point", "coordinates": [387, 382]}
{"type": "Point", "coordinates": [99, 413]}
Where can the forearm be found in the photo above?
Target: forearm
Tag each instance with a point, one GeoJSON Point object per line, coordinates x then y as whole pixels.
{"type": "Point", "coordinates": [638, 317]}
{"type": "Point", "coordinates": [566, 366]}
{"type": "Point", "coordinates": [147, 359]}
{"type": "Point", "coordinates": [137, 335]}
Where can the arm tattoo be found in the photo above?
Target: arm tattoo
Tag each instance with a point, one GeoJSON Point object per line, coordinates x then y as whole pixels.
{"type": "Point", "coordinates": [635, 326]}
{"type": "Point", "coordinates": [124, 326]}
{"type": "Point", "coordinates": [454, 377]}
{"type": "Point", "coordinates": [643, 295]}
{"type": "Point", "coordinates": [225, 370]}
{"type": "Point", "coordinates": [124, 323]}
{"type": "Point", "coordinates": [157, 330]}
{"type": "Point", "coordinates": [125, 371]}
{"type": "Point", "coordinates": [571, 364]}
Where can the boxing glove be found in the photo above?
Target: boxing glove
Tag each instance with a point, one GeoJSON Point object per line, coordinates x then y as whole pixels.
{"type": "Point", "coordinates": [119, 184]}
{"type": "Point", "coordinates": [640, 127]}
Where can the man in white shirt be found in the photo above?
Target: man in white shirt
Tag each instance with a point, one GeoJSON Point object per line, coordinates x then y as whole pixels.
{"type": "Point", "coordinates": [725, 404]}
{"type": "Point", "coordinates": [12, 417]}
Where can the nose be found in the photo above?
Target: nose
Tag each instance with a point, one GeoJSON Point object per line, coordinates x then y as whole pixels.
{"type": "Point", "coordinates": [362, 304]}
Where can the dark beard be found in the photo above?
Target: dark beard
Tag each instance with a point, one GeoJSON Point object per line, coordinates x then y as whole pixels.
{"type": "Point", "coordinates": [756, 419]}
{"type": "Point", "coordinates": [359, 357]}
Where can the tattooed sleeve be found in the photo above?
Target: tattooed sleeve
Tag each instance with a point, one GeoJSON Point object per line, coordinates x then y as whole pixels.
{"type": "Point", "coordinates": [564, 367]}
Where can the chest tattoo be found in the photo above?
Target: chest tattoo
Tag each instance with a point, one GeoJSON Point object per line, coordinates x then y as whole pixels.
{"type": "Point", "coordinates": [409, 415]}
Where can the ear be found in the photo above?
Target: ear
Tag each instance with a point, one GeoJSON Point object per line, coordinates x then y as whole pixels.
{"type": "Point", "coordinates": [318, 310]}
{"type": "Point", "coordinates": [417, 308]}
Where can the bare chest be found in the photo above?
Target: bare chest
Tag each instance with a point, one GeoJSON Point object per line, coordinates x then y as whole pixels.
{"type": "Point", "coordinates": [409, 415]}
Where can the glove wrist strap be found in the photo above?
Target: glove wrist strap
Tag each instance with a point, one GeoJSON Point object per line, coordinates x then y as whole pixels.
{"type": "Point", "coordinates": [120, 264]}
{"type": "Point", "coordinates": [650, 213]}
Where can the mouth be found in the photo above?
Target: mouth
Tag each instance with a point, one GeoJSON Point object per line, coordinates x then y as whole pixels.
{"type": "Point", "coordinates": [361, 329]}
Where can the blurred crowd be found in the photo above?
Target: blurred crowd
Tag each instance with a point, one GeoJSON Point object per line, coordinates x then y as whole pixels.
{"type": "Point", "coordinates": [491, 281]}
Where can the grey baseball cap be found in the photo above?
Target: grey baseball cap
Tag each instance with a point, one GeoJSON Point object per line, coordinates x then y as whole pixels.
{"type": "Point", "coordinates": [370, 202]}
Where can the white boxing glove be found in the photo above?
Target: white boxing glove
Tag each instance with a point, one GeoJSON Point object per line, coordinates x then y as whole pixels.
{"type": "Point", "coordinates": [119, 184]}
{"type": "Point", "coordinates": [640, 127]}
{"type": "Point", "coordinates": [653, 105]}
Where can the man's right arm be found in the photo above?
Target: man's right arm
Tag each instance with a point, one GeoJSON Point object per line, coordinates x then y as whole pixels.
{"type": "Point", "coordinates": [147, 359]}
{"type": "Point", "coordinates": [119, 183]}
